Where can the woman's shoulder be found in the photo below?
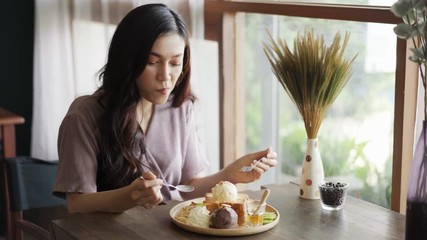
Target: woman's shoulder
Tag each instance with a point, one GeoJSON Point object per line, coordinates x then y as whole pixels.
{"type": "Point", "coordinates": [188, 104]}
{"type": "Point", "coordinates": [177, 114]}
{"type": "Point", "coordinates": [186, 107]}
{"type": "Point", "coordinates": [86, 105]}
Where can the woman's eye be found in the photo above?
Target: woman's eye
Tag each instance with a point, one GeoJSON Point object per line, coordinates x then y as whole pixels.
{"type": "Point", "coordinates": [176, 64]}
{"type": "Point", "coordinates": [152, 62]}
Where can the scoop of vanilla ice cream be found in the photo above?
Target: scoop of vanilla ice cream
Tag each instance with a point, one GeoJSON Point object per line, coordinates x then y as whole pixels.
{"type": "Point", "coordinates": [225, 191]}
{"type": "Point", "coordinates": [199, 216]}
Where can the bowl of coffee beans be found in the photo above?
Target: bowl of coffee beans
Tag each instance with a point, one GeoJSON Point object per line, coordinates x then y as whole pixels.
{"type": "Point", "coordinates": [332, 195]}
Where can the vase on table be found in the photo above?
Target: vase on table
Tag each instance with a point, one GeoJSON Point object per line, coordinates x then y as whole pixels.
{"type": "Point", "coordinates": [312, 171]}
{"type": "Point", "coordinates": [416, 205]}
{"type": "Point", "coordinates": [312, 79]}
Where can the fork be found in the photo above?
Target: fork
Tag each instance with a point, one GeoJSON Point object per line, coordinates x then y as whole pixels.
{"type": "Point", "coordinates": [247, 169]}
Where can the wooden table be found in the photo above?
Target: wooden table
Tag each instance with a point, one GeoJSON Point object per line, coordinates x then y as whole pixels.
{"type": "Point", "coordinates": [299, 219]}
{"type": "Point", "coordinates": [8, 121]}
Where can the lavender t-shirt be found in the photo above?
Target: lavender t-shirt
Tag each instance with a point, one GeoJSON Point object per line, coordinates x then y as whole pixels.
{"type": "Point", "coordinates": [173, 146]}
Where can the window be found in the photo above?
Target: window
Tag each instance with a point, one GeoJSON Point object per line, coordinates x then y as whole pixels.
{"type": "Point", "coordinates": [349, 2]}
{"type": "Point", "coordinates": [365, 125]}
{"type": "Point", "coordinates": [355, 139]}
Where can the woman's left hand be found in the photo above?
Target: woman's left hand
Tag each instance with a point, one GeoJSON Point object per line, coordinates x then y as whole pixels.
{"type": "Point", "coordinates": [234, 173]}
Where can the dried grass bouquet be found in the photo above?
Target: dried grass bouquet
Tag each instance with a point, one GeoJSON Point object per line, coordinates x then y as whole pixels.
{"type": "Point", "coordinates": [313, 74]}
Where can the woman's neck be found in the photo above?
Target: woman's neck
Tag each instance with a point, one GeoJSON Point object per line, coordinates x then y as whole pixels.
{"type": "Point", "coordinates": [144, 113]}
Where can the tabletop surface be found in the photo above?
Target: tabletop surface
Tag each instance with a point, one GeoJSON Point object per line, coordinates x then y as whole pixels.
{"type": "Point", "coordinates": [9, 118]}
{"type": "Point", "coordinates": [299, 219]}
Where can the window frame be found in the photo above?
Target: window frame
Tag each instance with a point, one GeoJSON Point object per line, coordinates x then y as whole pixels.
{"type": "Point", "coordinates": [222, 24]}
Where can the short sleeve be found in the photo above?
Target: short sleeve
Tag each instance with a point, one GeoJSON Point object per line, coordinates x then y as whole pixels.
{"type": "Point", "coordinates": [77, 150]}
{"type": "Point", "coordinates": [195, 160]}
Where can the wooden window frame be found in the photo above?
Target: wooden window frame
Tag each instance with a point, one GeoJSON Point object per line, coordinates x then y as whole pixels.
{"type": "Point", "coordinates": [222, 24]}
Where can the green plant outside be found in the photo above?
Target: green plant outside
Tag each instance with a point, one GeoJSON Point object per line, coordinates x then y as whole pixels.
{"type": "Point", "coordinates": [339, 158]}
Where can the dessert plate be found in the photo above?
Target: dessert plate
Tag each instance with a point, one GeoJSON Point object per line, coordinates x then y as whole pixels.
{"type": "Point", "coordinates": [240, 231]}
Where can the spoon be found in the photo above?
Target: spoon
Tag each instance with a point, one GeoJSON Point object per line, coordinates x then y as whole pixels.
{"type": "Point", "coordinates": [181, 188]}
{"type": "Point", "coordinates": [247, 169]}
{"type": "Point", "coordinates": [263, 200]}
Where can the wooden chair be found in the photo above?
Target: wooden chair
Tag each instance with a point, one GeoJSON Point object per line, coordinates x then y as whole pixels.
{"type": "Point", "coordinates": [29, 186]}
{"type": "Point", "coordinates": [8, 121]}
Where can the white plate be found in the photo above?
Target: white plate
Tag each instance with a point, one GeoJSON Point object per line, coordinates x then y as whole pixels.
{"type": "Point", "coordinates": [240, 231]}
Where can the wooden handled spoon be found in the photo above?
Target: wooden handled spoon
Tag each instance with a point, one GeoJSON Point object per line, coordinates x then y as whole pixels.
{"type": "Point", "coordinates": [263, 200]}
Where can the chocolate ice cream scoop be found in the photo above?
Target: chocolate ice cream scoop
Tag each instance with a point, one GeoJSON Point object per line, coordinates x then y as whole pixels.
{"type": "Point", "coordinates": [224, 218]}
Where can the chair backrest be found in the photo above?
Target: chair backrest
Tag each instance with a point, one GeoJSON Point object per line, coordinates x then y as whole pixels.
{"type": "Point", "coordinates": [30, 183]}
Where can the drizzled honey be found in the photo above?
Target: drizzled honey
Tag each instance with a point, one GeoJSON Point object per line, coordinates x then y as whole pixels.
{"type": "Point", "coordinates": [255, 219]}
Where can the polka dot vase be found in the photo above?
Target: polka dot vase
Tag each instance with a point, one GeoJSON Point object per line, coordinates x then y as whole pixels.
{"type": "Point", "coordinates": [312, 171]}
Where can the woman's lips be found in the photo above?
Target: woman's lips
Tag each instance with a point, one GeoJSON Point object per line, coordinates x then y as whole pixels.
{"type": "Point", "coordinates": [163, 91]}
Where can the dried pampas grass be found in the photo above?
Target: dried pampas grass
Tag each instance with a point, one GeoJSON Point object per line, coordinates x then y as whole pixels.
{"type": "Point", "coordinates": [313, 74]}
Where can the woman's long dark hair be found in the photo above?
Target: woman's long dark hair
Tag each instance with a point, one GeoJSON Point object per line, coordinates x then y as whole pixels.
{"type": "Point", "coordinates": [122, 144]}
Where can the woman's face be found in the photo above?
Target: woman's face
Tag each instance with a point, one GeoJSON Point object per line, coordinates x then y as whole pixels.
{"type": "Point", "coordinates": [163, 69]}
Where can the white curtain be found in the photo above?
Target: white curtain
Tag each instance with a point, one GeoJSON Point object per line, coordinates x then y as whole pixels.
{"type": "Point", "coordinates": [54, 87]}
{"type": "Point", "coordinates": [70, 49]}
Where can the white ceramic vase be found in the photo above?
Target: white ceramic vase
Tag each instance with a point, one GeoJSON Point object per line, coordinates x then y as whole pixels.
{"type": "Point", "coordinates": [312, 171]}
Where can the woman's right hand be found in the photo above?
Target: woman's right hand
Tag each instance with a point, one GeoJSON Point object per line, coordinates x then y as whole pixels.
{"type": "Point", "coordinates": [145, 190]}
{"type": "Point", "coordinates": [234, 174]}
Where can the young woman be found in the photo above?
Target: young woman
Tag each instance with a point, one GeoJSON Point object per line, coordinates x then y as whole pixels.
{"type": "Point", "coordinates": [117, 146]}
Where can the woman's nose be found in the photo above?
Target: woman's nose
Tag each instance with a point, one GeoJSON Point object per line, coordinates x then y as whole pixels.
{"type": "Point", "coordinates": [164, 73]}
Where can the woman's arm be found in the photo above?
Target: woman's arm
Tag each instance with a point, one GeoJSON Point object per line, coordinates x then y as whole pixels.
{"type": "Point", "coordinates": [144, 191]}
{"type": "Point", "coordinates": [233, 174]}
{"type": "Point", "coordinates": [117, 200]}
